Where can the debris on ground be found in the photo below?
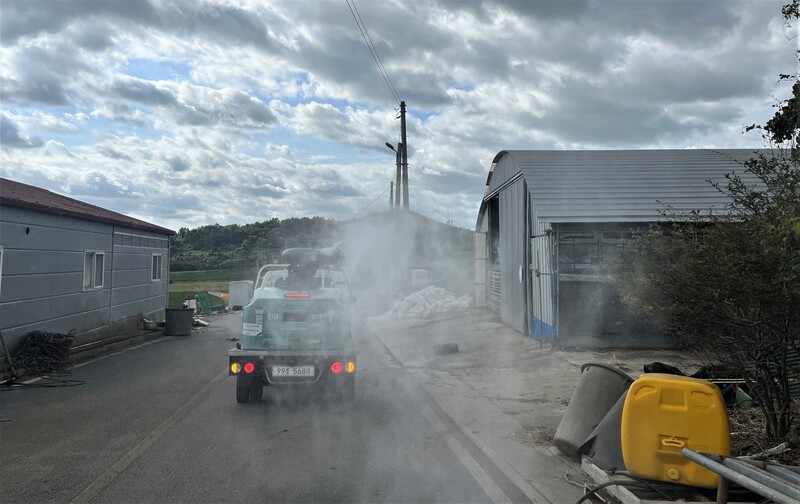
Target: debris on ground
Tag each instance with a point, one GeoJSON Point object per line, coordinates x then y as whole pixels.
{"type": "Point", "coordinates": [198, 322]}
{"type": "Point", "coordinates": [429, 301]}
{"type": "Point", "coordinates": [445, 349]}
{"type": "Point", "coordinates": [749, 440]}
{"type": "Point", "coordinates": [44, 353]}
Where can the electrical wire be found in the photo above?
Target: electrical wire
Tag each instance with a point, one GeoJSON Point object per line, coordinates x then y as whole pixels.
{"type": "Point", "coordinates": [377, 56]}
{"type": "Point", "coordinates": [372, 49]}
{"type": "Point", "coordinates": [643, 482]}
{"type": "Point", "coordinates": [45, 355]}
{"type": "Point", "coordinates": [371, 202]}
{"type": "Point", "coordinates": [51, 382]}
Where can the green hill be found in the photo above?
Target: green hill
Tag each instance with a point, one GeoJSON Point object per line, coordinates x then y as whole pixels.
{"type": "Point", "coordinates": [382, 248]}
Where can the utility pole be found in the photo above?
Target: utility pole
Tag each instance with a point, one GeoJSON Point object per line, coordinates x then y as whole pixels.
{"type": "Point", "coordinates": [391, 195]}
{"type": "Point", "coordinates": [405, 152]}
{"type": "Point", "coordinates": [398, 182]}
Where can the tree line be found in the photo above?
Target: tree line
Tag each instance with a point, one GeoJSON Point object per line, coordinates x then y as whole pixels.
{"type": "Point", "coordinates": [246, 246]}
{"type": "Point", "coordinates": [239, 246]}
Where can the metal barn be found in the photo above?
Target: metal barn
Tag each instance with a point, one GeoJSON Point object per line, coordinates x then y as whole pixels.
{"type": "Point", "coordinates": [550, 220]}
{"type": "Point", "coordinates": [66, 264]}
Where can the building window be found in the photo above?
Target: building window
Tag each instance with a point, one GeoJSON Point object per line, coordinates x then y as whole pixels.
{"type": "Point", "coordinates": [157, 264]}
{"type": "Point", "coordinates": [578, 254]}
{"type": "Point", "coordinates": [93, 269]}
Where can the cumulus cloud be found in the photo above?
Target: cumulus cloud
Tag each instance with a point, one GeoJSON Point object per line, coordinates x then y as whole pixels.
{"type": "Point", "coordinates": [196, 105]}
{"type": "Point", "coordinates": [192, 112]}
{"type": "Point", "coordinates": [33, 17]}
{"type": "Point", "coordinates": [10, 136]}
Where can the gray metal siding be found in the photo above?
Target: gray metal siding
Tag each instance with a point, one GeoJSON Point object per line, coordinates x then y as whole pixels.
{"type": "Point", "coordinates": [20, 287]}
{"type": "Point", "coordinates": [25, 312]}
{"type": "Point", "coordinates": [134, 293]}
{"type": "Point", "coordinates": [42, 284]}
{"type": "Point", "coordinates": [513, 239]}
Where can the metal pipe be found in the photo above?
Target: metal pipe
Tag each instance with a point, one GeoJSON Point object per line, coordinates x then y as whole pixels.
{"type": "Point", "coordinates": [763, 486]}
{"type": "Point", "coordinates": [762, 476]}
{"type": "Point", "coordinates": [784, 473]}
{"type": "Point", "coordinates": [787, 472]}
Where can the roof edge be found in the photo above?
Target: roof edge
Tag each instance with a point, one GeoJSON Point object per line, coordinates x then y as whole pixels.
{"type": "Point", "coordinates": [123, 220]}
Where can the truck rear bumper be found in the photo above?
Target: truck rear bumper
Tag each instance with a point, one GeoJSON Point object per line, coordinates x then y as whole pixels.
{"type": "Point", "coordinates": [325, 366]}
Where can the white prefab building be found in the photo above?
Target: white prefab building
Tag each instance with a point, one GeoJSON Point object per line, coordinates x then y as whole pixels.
{"type": "Point", "coordinates": [66, 264]}
{"type": "Point", "coordinates": [550, 220]}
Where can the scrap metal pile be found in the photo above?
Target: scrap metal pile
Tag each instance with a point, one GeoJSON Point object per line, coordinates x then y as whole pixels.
{"type": "Point", "coordinates": [428, 301]}
{"type": "Point", "coordinates": [44, 353]}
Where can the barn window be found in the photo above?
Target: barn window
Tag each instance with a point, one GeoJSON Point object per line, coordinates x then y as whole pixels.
{"type": "Point", "coordinates": [93, 269]}
{"type": "Point", "coordinates": [157, 264]}
{"type": "Point", "coordinates": [578, 254]}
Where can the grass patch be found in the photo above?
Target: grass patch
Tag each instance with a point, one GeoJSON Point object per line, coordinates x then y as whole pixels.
{"type": "Point", "coordinates": [201, 286]}
{"type": "Point", "coordinates": [176, 298]}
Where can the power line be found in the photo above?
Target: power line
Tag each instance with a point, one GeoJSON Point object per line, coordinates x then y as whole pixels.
{"type": "Point", "coordinates": [378, 56]}
{"type": "Point", "coordinates": [372, 49]}
{"type": "Point", "coordinates": [371, 202]}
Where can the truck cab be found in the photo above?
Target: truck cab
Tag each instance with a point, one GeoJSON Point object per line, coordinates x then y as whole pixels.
{"type": "Point", "coordinates": [297, 329]}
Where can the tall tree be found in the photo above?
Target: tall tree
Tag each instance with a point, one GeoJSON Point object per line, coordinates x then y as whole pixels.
{"type": "Point", "coordinates": [729, 283]}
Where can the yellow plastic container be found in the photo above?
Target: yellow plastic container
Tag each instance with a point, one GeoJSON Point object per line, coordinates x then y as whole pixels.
{"type": "Point", "coordinates": [664, 414]}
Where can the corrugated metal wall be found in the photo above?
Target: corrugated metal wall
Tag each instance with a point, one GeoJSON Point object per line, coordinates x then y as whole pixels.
{"type": "Point", "coordinates": [42, 285]}
{"type": "Point", "coordinates": [480, 269]}
{"type": "Point", "coordinates": [513, 242]}
{"type": "Point", "coordinates": [543, 318]}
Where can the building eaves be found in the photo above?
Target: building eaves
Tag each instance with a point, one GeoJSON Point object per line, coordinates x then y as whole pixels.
{"type": "Point", "coordinates": [17, 194]}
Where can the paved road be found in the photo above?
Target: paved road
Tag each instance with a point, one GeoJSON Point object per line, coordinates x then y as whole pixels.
{"type": "Point", "coordinates": [160, 423]}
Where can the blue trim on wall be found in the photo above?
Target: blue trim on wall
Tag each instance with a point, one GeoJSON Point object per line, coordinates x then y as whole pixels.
{"type": "Point", "coordinates": [542, 331]}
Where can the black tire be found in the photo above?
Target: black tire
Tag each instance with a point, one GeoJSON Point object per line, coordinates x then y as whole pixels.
{"type": "Point", "coordinates": [242, 394]}
{"type": "Point", "coordinates": [256, 391]}
{"type": "Point", "coordinates": [349, 391]}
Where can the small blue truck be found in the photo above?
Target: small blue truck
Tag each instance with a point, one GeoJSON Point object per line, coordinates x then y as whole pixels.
{"type": "Point", "coordinates": [297, 329]}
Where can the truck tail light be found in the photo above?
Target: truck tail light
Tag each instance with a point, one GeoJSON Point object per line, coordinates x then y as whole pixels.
{"type": "Point", "coordinates": [236, 368]}
{"type": "Point", "coordinates": [351, 367]}
{"type": "Point", "coordinates": [249, 368]}
{"type": "Point", "coordinates": [337, 367]}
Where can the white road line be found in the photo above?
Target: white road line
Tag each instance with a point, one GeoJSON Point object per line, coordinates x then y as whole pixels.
{"type": "Point", "coordinates": [484, 480]}
{"type": "Point", "coordinates": [94, 489]}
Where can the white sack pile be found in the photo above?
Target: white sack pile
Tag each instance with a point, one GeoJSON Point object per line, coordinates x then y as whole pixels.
{"type": "Point", "coordinates": [427, 302]}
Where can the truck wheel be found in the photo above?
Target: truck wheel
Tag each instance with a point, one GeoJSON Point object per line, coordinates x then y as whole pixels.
{"type": "Point", "coordinates": [349, 391]}
{"type": "Point", "coordinates": [242, 394]}
{"type": "Point", "coordinates": [256, 391]}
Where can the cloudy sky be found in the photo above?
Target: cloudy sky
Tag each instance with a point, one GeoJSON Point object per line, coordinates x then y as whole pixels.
{"type": "Point", "coordinates": [195, 112]}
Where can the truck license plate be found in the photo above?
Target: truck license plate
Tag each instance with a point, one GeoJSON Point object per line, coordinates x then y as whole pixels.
{"type": "Point", "coordinates": [292, 370]}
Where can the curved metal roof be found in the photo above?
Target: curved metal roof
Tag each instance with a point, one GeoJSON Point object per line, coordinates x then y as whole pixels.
{"type": "Point", "coordinates": [619, 185]}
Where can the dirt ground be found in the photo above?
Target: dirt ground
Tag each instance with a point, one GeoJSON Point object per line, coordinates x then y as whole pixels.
{"type": "Point", "coordinates": [533, 385]}
{"type": "Point", "coordinates": [748, 437]}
